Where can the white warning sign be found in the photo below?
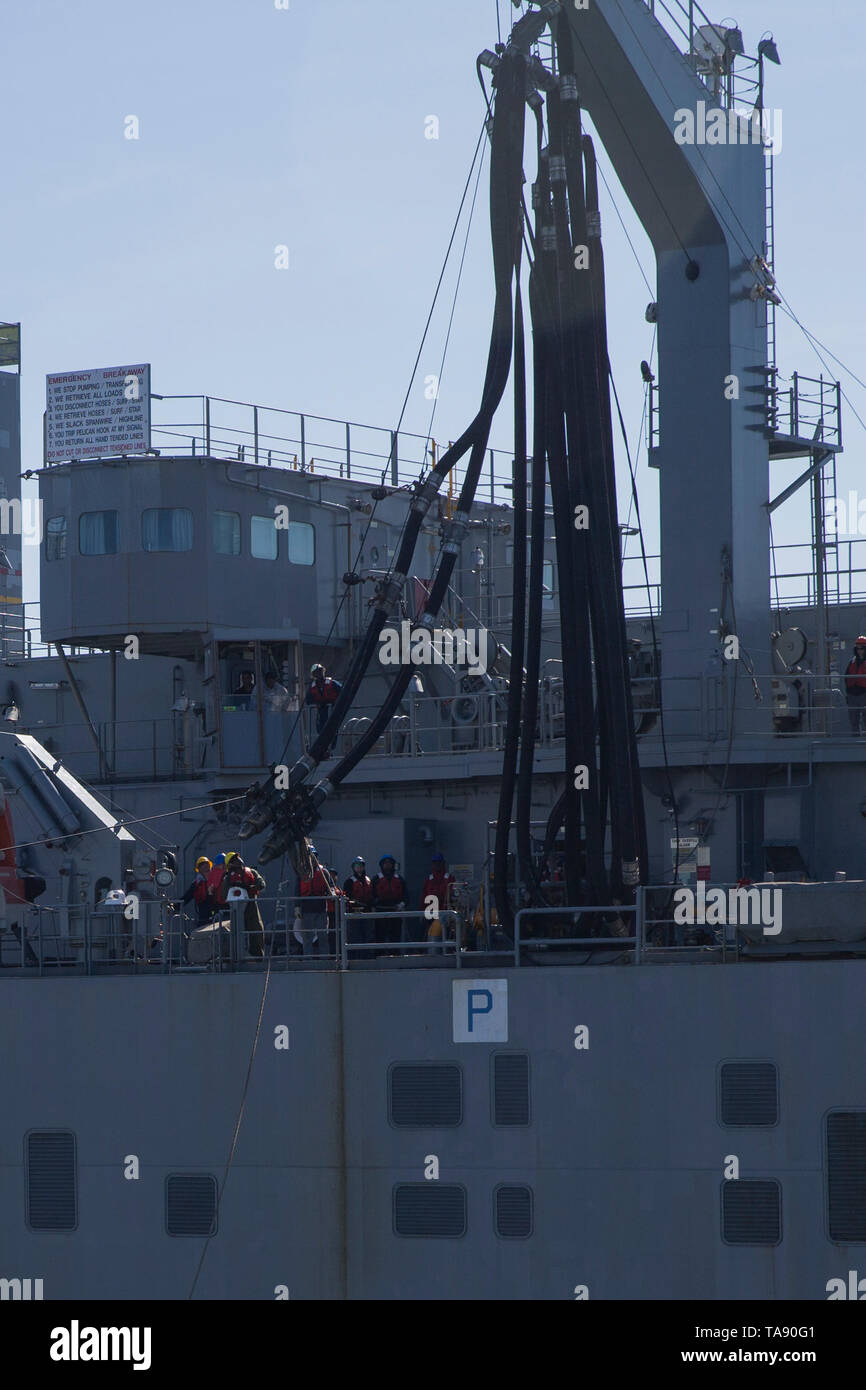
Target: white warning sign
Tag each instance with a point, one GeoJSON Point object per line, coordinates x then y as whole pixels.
{"type": "Point", "coordinates": [97, 414]}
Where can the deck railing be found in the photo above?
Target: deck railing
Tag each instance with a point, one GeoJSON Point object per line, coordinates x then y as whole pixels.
{"type": "Point", "coordinates": [268, 436]}
{"type": "Point", "coordinates": [299, 934]}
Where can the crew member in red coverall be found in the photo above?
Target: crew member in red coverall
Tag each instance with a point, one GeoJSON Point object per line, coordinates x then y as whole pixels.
{"type": "Point", "coordinates": [855, 686]}
{"type": "Point", "coordinates": [389, 895]}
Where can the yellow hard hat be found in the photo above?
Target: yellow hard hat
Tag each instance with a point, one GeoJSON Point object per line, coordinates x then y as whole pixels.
{"type": "Point", "coordinates": [203, 859]}
{"type": "Point", "coordinates": [232, 854]}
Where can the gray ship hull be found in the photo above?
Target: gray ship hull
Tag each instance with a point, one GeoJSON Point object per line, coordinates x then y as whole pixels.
{"type": "Point", "coordinates": [623, 1151]}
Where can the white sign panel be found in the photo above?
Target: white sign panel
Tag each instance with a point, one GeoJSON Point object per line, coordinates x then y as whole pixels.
{"type": "Point", "coordinates": [480, 1010]}
{"type": "Point", "coordinates": [97, 414]}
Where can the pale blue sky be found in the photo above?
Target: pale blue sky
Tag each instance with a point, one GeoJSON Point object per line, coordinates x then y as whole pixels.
{"type": "Point", "coordinates": [306, 127]}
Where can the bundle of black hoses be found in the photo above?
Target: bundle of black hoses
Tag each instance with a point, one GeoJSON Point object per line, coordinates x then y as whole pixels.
{"type": "Point", "coordinates": [506, 182]}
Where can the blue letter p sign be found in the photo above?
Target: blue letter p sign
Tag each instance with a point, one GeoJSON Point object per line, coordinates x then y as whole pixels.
{"type": "Point", "coordinates": [480, 1001]}
{"type": "Point", "coordinates": [479, 1010]}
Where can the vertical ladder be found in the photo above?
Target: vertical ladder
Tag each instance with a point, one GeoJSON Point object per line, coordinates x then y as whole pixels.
{"type": "Point", "coordinates": [825, 553]}
{"type": "Point", "coordinates": [770, 247]}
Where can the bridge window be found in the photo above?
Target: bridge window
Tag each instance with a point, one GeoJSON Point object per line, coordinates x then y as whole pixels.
{"type": "Point", "coordinates": [98, 533]}
{"type": "Point", "coordinates": [166, 528]}
{"type": "Point", "coordinates": [227, 533]}
{"type": "Point", "coordinates": [55, 538]}
{"type": "Point", "coordinates": [302, 543]}
{"type": "Point", "coordinates": [263, 538]}
{"type": "Point", "coordinates": [548, 589]}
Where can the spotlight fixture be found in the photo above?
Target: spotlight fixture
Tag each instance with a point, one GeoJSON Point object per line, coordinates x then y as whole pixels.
{"type": "Point", "coordinates": [734, 41]}
{"type": "Point", "coordinates": [767, 49]}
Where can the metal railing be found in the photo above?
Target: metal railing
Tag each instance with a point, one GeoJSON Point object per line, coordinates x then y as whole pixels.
{"type": "Point", "coordinates": [156, 936]}
{"type": "Point", "coordinates": [20, 635]}
{"type": "Point", "coordinates": [681, 20]}
{"type": "Point", "coordinates": [367, 932]}
{"type": "Point", "coordinates": [80, 940]}
{"type": "Point", "coordinates": [577, 915]}
{"type": "Point", "coordinates": [268, 436]}
{"type": "Point", "coordinates": [810, 408]}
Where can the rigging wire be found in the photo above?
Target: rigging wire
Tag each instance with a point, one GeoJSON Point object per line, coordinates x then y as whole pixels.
{"type": "Point", "coordinates": [786, 309]}
{"type": "Point", "coordinates": [456, 293]}
{"type": "Point", "coordinates": [653, 632]}
{"type": "Point", "coordinates": [625, 230]}
{"type": "Point", "coordinates": [363, 539]}
{"type": "Point", "coordinates": [238, 1122]}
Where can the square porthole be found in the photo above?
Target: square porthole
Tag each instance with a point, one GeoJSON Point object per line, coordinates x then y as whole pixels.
{"type": "Point", "coordinates": [752, 1211]}
{"type": "Point", "coordinates": [748, 1094]}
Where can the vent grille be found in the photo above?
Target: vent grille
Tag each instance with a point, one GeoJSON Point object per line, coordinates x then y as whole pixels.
{"type": "Point", "coordinates": [511, 1089]}
{"type": "Point", "coordinates": [52, 1181]}
{"type": "Point", "coordinates": [514, 1212]}
{"type": "Point", "coordinates": [190, 1204]}
{"type": "Point", "coordinates": [749, 1093]}
{"type": "Point", "coordinates": [751, 1212]}
{"type": "Point", "coordinates": [425, 1095]}
{"type": "Point", "coordinates": [430, 1209]}
{"type": "Point", "coordinates": [846, 1175]}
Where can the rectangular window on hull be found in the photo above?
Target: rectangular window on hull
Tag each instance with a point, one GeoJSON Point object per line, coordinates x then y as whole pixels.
{"type": "Point", "coordinates": [302, 543]}
{"type": "Point", "coordinates": [846, 1175]}
{"type": "Point", "coordinates": [510, 1088]}
{"type": "Point", "coordinates": [424, 1095]}
{"type": "Point", "coordinates": [55, 538]}
{"type": "Point", "coordinates": [263, 538]}
{"type": "Point", "coordinates": [97, 533]}
{"type": "Point", "coordinates": [431, 1209]}
{"type": "Point", "coordinates": [513, 1211]}
{"type": "Point", "coordinates": [190, 1204]}
{"type": "Point", "coordinates": [226, 533]}
{"type": "Point", "coordinates": [748, 1093]}
{"type": "Point", "coordinates": [166, 528]}
{"type": "Point", "coordinates": [751, 1212]}
{"type": "Point", "coordinates": [52, 1181]}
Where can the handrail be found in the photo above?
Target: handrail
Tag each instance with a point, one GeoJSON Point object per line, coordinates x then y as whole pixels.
{"type": "Point", "coordinates": [634, 909]}
{"type": "Point", "coordinates": [341, 448]}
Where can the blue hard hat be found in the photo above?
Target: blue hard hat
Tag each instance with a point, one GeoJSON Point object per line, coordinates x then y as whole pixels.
{"type": "Point", "coordinates": [385, 858]}
{"type": "Point", "coordinates": [438, 859]}
{"type": "Point", "coordinates": [220, 859]}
